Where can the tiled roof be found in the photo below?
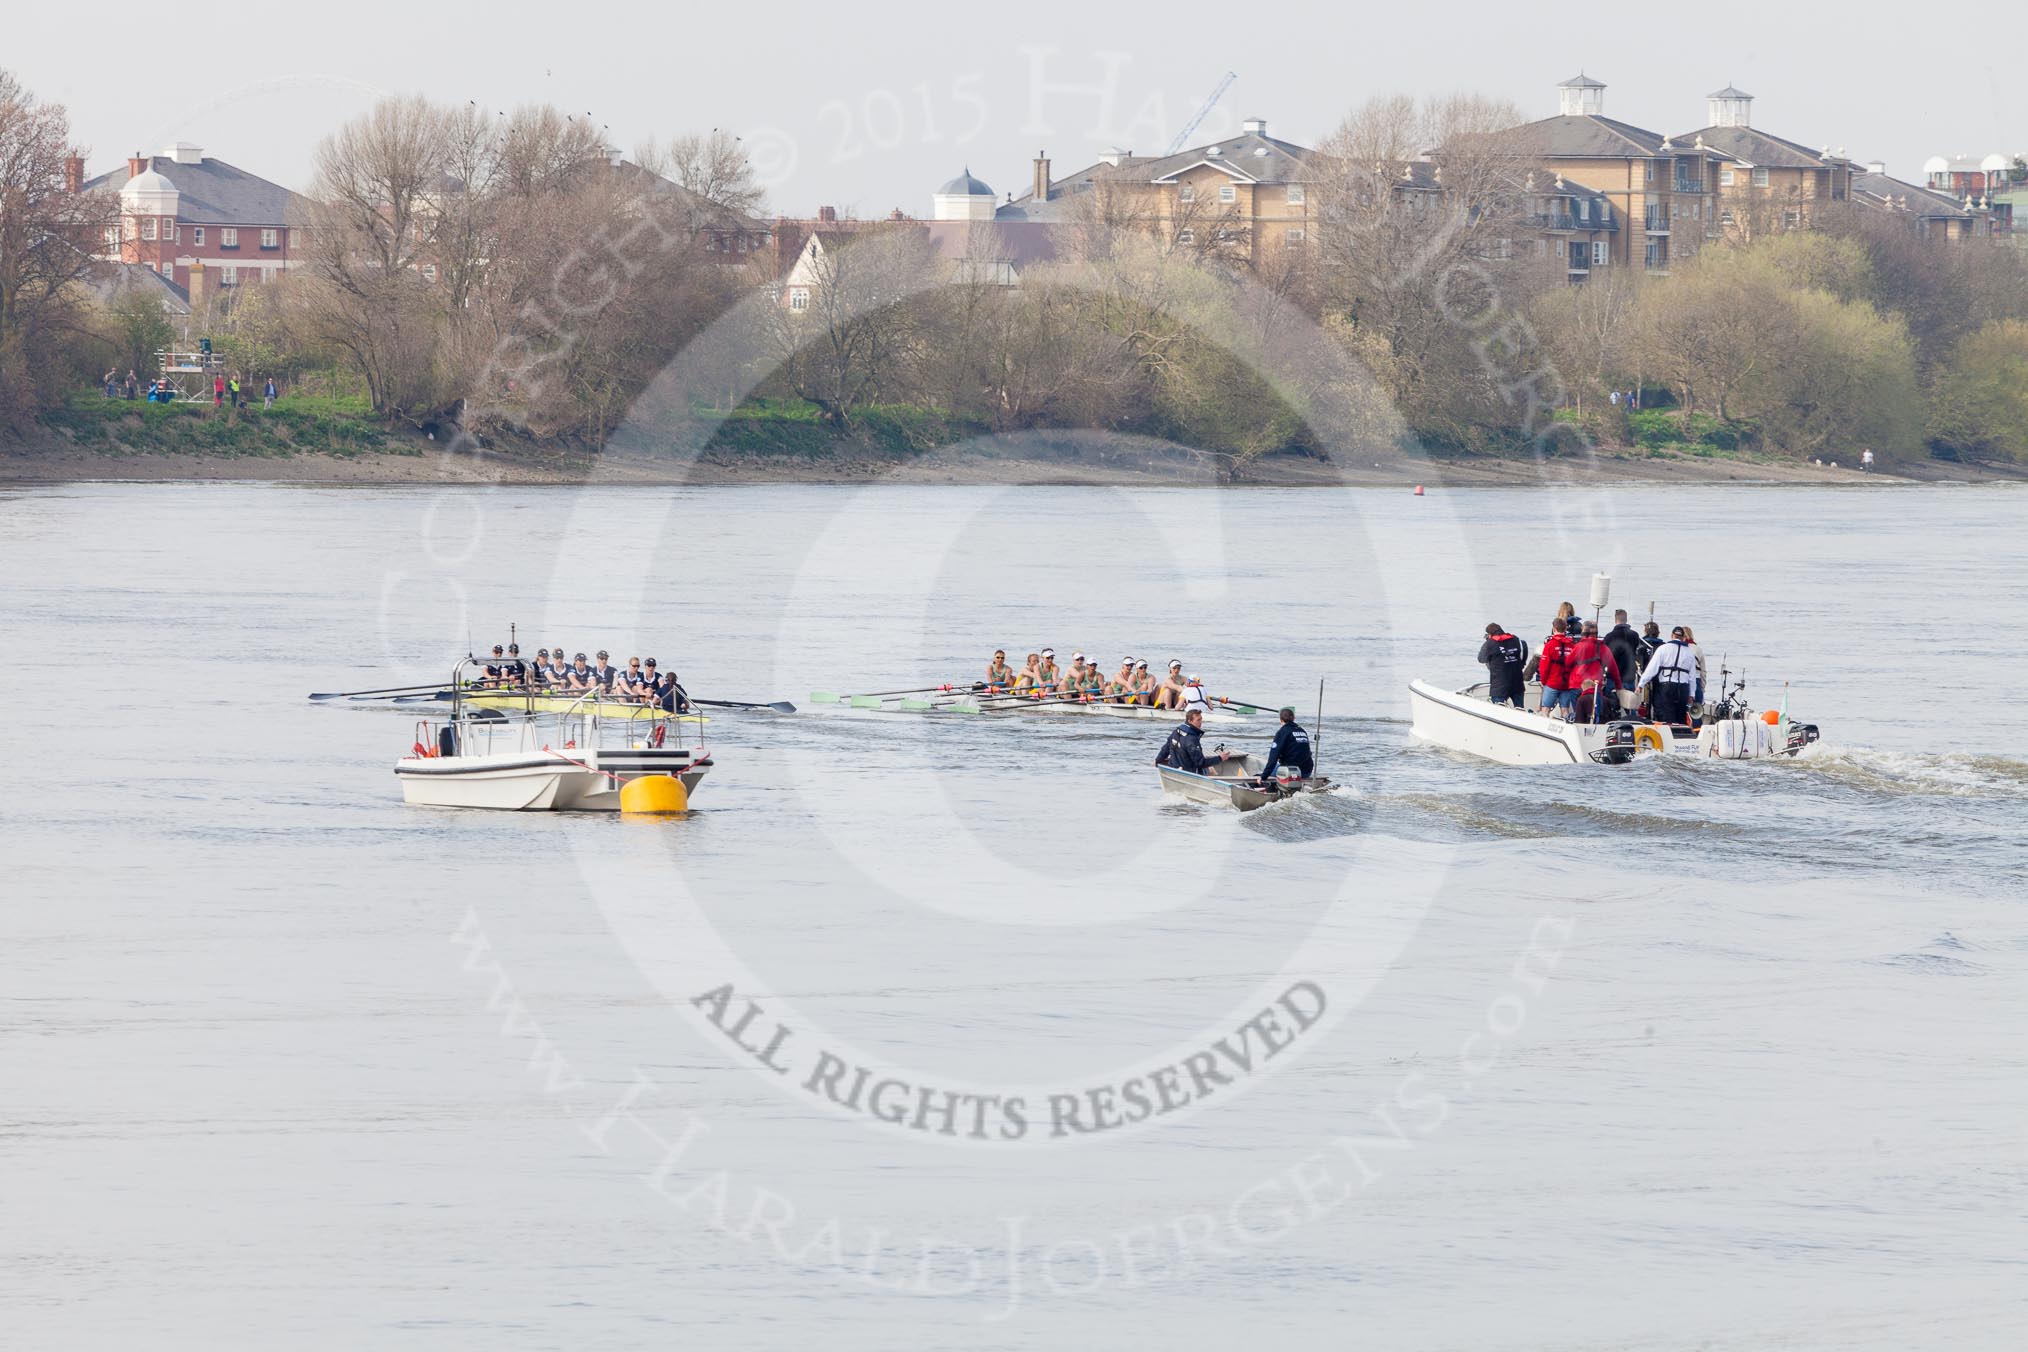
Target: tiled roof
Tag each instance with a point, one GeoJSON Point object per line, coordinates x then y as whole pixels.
{"type": "Point", "coordinates": [1248, 157]}
{"type": "Point", "coordinates": [1880, 190]}
{"type": "Point", "coordinates": [1758, 148]}
{"type": "Point", "coordinates": [1582, 137]}
{"type": "Point", "coordinates": [110, 281]}
{"type": "Point", "coordinates": [212, 192]}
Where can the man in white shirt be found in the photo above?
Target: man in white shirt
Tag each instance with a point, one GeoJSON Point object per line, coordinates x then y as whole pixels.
{"type": "Point", "coordinates": [1672, 673]}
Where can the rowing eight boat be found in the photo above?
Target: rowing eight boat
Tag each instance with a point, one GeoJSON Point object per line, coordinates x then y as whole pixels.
{"type": "Point", "coordinates": [571, 704]}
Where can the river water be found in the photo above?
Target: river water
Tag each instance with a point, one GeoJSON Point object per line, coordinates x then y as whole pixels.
{"type": "Point", "coordinates": [1675, 1055]}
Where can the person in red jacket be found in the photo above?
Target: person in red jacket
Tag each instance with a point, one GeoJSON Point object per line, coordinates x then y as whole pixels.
{"type": "Point", "coordinates": [1559, 694]}
{"type": "Point", "coordinates": [1591, 662]}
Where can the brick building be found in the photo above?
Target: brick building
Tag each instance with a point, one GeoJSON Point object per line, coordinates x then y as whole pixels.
{"type": "Point", "coordinates": [180, 208]}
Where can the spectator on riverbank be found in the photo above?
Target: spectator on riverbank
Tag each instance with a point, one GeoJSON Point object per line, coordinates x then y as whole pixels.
{"type": "Point", "coordinates": [268, 393]}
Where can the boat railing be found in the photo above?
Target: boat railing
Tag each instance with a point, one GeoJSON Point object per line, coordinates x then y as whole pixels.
{"type": "Point", "coordinates": [583, 722]}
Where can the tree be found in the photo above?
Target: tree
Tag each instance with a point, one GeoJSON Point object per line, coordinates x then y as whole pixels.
{"type": "Point", "coordinates": [1716, 335]}
{"type": "Point", "coordinates": [48, 235]}
{"type": "Point", "coordinates": [1418, 204]}
{"type": "Point", "coordinates": [1979, 406]}
{"type": "Point", "coordinates": [375, 226]}
{"type": "Point", "coordinates": [854, 336]}
{"type": "Point", "coordinates": [712, 167]}
{"type": "Point", "coordinates": [136, 328]}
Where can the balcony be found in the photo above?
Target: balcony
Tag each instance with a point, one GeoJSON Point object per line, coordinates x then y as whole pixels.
{"type": "Point", "coordinates": [1555, 221]}
{"type": "Point", "coordinates": [1691, 185]}
{"type": "Point", "coordinates": [1656, 221]}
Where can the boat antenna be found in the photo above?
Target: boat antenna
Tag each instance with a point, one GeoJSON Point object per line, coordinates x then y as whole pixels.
{"type": "Point", "coordinates": [1317, 737]}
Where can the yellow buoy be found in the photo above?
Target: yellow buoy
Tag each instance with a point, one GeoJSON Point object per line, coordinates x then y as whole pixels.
{"type": "Point", "coordinates": [654, 793]}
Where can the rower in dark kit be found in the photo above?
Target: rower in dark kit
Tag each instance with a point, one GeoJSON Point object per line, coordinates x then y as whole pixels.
{"type": "Point", "coordinates": [1506, 658]}
{"type": "Point", "coordinates": [1290, 750]}
{"type": "Point", "coordinates": [1185, 750]}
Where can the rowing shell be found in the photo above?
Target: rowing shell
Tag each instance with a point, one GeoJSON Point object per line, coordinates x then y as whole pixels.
{"type": "Point", "coordinates": [1145, 712]}
{"type": "Point", "coordinates": [571, 704]}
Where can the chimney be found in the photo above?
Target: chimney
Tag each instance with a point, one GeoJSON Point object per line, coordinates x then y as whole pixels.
{"type": "Point", "coordinates": [1041, 176]}
{"type": "Point", "coordinates": [137, 165]}
{"type": "Point", "coordinates": [73, 174]}
{"type": "Point", "coordinates": [1876, 167]}
{"type": "Point", "coordinates": [201, 289]}
{"type": "Point", "coordinates": [1255, 125]}
{"type": "Point", "coordinates": [829, 214]}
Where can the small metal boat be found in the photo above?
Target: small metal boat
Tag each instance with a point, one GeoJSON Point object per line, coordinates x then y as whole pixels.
{"type": "Point", "coordinates": [1236, 783]}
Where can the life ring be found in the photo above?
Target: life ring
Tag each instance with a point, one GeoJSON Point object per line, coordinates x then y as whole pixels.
{"type": "Point", "coordinates": [1649, 739]}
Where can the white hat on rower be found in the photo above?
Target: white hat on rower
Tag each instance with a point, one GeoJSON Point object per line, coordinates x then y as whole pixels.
{"type": "Point", "coordinates": [1077, 657]}
{"type": "Point", "coordinates": [1175, 666]}
{"type": "Point", "coordinates": [1049, 652]}
{"type": "Point", "coordinates": [1141, 665]}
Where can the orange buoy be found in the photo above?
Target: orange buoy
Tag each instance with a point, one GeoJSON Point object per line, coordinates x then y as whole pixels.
{"type": "Point", "coordinates": [1771, 717]}
{"type": "Point", "coordinates": [1418, 490]}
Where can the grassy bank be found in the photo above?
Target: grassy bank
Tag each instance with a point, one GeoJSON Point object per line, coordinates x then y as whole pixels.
{"type": "Point", "coordinates": [304, 425]}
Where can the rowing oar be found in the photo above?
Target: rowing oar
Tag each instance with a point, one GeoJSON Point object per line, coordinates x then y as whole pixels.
{"type": "Point", "coordinates": [780, 706]}
{"type": "Point", "coordinates": [827, 697]}
{"type": "Point", "coordinates": [390, 690]}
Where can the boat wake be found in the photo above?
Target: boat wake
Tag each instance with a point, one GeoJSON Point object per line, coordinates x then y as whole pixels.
{"type": "Point", "coordinates": [1909, 774]}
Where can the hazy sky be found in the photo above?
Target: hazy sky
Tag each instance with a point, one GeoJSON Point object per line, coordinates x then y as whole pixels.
{"type": "Point", "coordinates": [870, 113]}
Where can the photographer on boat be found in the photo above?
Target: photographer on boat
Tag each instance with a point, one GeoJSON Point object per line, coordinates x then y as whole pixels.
{"type": "Point", "coordinates": [1505, 658]}
{"type": "Point", "coordinates": [1185, 748]}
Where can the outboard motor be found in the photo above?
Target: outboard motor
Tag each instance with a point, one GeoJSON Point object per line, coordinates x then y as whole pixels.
{"type": "Point", "coordinates": [1800, 736]}
{"type": "Point", "coordinates": [447, 741]}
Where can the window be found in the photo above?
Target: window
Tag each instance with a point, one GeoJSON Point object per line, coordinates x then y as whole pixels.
{"type": "Point", "coordinates": [228, 275]}
{"type": "Point", "coordinates": [1295, 194]}
{"type": "Point", "coordinates": [1186, 192]}
{"type": "Point", "coordinates": [1601, 253]}
{"type": "Point", "coordinates": [429, 271]}
{"type": "Point", "coordinates": [1657, 256]}
{"type": "Point", "coordinates": [1792, 219]}
{"type": "Point", "coordinates": [1725, 217]}
{"type": "Point", "coordinates": [197, 234]}
{"type": "Point", "coordinates": [112, 234]}
{"type": "Point", "coordinates": [1295, 236]}
{"type": "Point", "coordinates": [271, 239]}
{"type": "Point", "coordinates": [147, 227]}
{"type": "Point", "coordinates": [228, 238]}
{"type": "Point", "coordinates": [1186, 236]}
{"type": "Point", "coordinates": [1227, 193]}
{"type": "Point", "coordinates": [1503, 248]}
{"type": "Point", "coordinates": [1648, 171]}
{"type": "Point", "coordinates": [1760, 178]}
{"type": "Point", "coordinates": [799, 298]}
{"type": "Point", "coordinates": [1725, 176]}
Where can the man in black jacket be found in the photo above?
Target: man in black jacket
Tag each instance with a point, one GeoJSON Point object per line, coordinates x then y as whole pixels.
{"type": "Point", "coordinates": [1505, 657]}
{"type": "Point", "coordinates": [1625, 643]}
{"type": "Point", "coordinates": [1185, 748]}
{"type": "Point", "coordinates": [1291, 749]}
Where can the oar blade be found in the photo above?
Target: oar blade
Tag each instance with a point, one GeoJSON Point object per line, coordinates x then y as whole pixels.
{"type": "Point", "coordinates": [825, 697]}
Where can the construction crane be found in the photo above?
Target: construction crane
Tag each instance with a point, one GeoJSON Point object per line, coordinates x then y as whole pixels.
{"type": "Point", "coordinates": [1217, 93]}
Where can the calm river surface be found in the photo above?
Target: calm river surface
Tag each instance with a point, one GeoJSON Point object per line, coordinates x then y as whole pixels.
{"type": "Point", "coordinates": [1668, 1056]}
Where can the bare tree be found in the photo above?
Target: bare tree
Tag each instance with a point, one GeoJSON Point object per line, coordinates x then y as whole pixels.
{"type": "Point", "coordinates": [48, 236]}
{"type": "Point", "coordinates": [376, 223]}
{"type": "Point", "coordinates": [711, 166]}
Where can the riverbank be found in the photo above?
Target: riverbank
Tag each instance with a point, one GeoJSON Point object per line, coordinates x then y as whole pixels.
{"type": "Point", "coordinates": [319, 443]}
{"type": "Point", "coordinates": [429, 463]}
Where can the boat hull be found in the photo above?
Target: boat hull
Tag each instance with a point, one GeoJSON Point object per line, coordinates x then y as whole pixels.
{"type": "Point", "coordinates": [1465, 721]}
{"type": "Point", "coordinates": [1226, 785]}
{"type": "Point", "coordinates": [544, 781]}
